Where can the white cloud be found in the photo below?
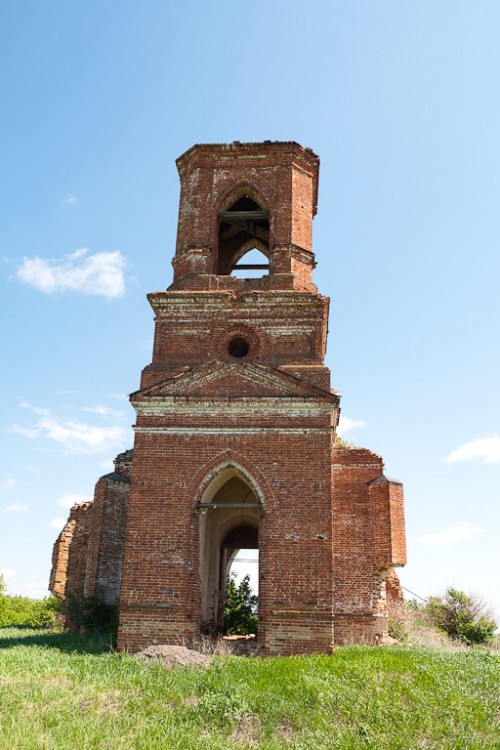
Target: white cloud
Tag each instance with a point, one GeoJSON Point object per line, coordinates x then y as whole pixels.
{"type": "Point", "coordinates": [34, 409]}
{"type": "Point", "coordinates": [346, 424]}
{"type": "Point", "coordinates": [58, 523]}
{"type": "Point", "coordinates": [76, 437]}
{"type": "Point", "coordinates": [29, 432]}
{"type": "Point", "coordinates": [69, 200]}
{"type": "Point", "coordinates": [17, 508]}
{"type": "Point", "coordinates": [67, 501]}
{"type": "Point", "coordinates": [451, 534]}
{"type": "Point", "coordinates": [487, 449]}
{"type": "Point", "coordinates": [103, 411]}
{"type": "Point", "coordinates": [8, 483]}
{"type": "Point", "coordinates": [100, 274]}
{"type": "Point", "coordinates": [7, 573]}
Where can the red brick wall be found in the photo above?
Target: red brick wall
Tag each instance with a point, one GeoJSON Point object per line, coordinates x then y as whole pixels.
{"type": "Point", "coordinates": [357, 581]}
{"type": "Point", "coordinates": [162, 542]}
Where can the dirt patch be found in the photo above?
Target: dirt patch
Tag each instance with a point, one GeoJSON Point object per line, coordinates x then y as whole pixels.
{"type": "Point", "coordinates": [247, 732]}
{"type": "Point", "coordinates": [174, 656]}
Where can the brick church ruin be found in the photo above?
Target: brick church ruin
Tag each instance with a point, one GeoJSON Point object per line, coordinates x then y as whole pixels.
{"type": "Point", "coordinates": [235, 437]}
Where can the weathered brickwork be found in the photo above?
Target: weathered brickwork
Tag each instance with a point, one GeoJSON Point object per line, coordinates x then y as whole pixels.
{"type": "Point", "coordinates": [71, 543]}
{"type": "Point", "coordinates": [235, 435]}
{"type": "Point", "coordinates": [69, 559]}
{"type": "Point", "coordinates": [88, 554]}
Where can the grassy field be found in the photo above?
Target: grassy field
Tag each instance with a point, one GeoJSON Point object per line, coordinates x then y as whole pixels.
{"type": "Point", "coordinates": [59, 691]}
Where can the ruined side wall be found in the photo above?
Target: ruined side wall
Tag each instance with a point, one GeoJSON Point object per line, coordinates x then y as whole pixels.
{"type": "Point", "coordinates": [106, 539]}
{"type": "Point", "coordinates": [69, 558]}
{"type": "Point", "coordinates": [87, 555]}
{"type": "Point", "coordinates": [368, 542]}
{"type": "Point", "coordinates": [60, 557]}
{"type": "Point", "coordinates": [356, 585]}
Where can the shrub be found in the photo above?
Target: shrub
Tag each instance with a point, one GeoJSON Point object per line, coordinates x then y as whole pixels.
{"type": "Point", "coordinates": [240, 610]}
{"type": "Point", "coordinates": [20, 610]}
{"type": "Point", "coordinates": [463, 617]}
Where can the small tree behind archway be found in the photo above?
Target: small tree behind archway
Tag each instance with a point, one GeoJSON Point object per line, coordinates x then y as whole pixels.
{"type": "Point", "coordinates": [240, 608]}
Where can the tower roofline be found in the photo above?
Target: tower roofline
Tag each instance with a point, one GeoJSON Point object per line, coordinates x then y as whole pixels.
{"type": "Point", "coordinates": [221, 152]}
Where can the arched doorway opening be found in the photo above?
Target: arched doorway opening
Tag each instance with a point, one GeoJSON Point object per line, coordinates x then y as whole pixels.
{"type": "Point", "coordinates": [229, 514]}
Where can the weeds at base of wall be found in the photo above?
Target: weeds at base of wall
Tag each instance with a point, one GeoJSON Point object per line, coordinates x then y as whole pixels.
{"type": "Point", "coordinates": [91, 615]}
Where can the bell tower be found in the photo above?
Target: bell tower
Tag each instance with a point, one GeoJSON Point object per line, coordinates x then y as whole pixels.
{"type": "Point", "coordinates": [235, 430]}
{"type": "Point", "coordinates": [235, 199]}
{"type": "Point", "coordinates": [240, 196]}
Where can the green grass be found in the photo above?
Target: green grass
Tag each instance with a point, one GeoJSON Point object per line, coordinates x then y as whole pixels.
{"type": "Point", "coordinates": [60, 691]}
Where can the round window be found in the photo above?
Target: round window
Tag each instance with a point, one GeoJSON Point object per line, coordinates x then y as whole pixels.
{"type": "Point", "coordinates": [238, 346]}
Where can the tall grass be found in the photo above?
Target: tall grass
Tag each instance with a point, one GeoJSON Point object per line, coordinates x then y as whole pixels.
{"type": "Point", "coordinates": [59, 691]}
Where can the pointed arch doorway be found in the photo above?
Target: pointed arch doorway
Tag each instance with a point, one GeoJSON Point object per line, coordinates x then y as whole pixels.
{"type": "Point", "coordinates": [230, 514]}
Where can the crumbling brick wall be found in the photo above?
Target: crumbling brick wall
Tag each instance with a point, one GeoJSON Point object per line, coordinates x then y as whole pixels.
{"type": "Point", "coordinates": [365, 546]}
{"type": "Point", "coordinates": [87, 555]}
{"type": "Point", "coordinates": [106, 539]}
{"type": "Point", "coordinates": [60, 557]}
{"type": "Point", "coordinates": [394, 594]}
{"type": "Point", "coordinates": [69, 557]}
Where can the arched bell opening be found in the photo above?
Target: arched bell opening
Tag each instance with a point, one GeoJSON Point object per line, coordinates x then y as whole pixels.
{"type": "Point", "coordinates": [229, 513]}
{"type": "Point", "coordinates": [251, 261]}
{"type": "Point", "coordinates": [243, 229]}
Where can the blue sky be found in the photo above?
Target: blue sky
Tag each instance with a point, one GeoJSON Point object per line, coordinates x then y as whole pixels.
{"type": "Point", "coordinates": [401, 102]}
